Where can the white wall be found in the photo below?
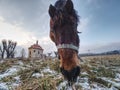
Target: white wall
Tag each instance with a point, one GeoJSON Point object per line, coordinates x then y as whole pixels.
{"type": "Point", "coordinates": [35, 54]}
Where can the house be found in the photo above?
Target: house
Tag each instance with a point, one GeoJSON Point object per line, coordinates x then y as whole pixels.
{"type": "Point", "coordinates": [35, 51]}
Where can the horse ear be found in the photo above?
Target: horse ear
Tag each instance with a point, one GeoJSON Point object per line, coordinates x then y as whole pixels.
{"type": "Point", "coordinates": [52, 10]}
{"type": "Point", "coordinates": [69, 6]}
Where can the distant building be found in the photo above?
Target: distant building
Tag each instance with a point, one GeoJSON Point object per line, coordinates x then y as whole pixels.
{"type": "Point", "coordinates": [35, 51]}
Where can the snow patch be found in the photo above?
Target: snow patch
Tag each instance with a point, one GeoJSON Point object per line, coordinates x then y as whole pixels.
{"type": "Point", "coordinates": [84, 73]}
{"type": "Point", "coordinates": [1, 61]}
{"type": "Point", "coordinates": [3, 86]}
{"type": "Point", "coordinates": [17, 82]}
{"type": "Point", "coordinates": [83, 82]}
{"type": "Point", "coordinates": [37, 75]}
{"type": "Point", "coordinates": [62, 85]}
{"type": "Point", "coordinates": [117, 76]}
{"type": "Point", "coordinates": [48, 70]}
{"type": "Point", "coordinates": [114, 84]}
{"type": "Point", "coordinates": [20, 63]}
{"type": "Point", "coordinates": [9, 72]}
{"type": "Point", "coordinates": [96, 86]}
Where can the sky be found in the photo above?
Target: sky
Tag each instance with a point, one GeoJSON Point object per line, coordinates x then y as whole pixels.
{"type": "Point", "coordinates": [26, 21]}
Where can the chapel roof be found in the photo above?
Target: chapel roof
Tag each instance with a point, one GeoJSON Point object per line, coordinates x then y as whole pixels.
{"type": "Point", "coordinates": [36, 46]}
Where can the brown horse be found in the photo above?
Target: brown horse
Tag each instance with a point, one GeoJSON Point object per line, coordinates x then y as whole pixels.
{"type": "Point", "coordinates": [63, 32]}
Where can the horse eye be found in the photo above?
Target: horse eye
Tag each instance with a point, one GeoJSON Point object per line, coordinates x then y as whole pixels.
{"type": "Point", "coordinates": [52, 30]}
{"type": "Point", "coordinates": [61, 10]}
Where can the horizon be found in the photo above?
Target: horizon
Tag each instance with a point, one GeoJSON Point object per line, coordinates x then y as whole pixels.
{"type": "Point", "coordinates": [28, 21]}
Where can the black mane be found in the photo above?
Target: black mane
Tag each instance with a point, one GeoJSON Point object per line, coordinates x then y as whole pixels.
{"type": "Point", "coordinates": [59, 5]}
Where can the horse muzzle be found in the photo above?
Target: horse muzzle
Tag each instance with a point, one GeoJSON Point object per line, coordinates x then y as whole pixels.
{"type": "Point", "coordinates": [71, 75]}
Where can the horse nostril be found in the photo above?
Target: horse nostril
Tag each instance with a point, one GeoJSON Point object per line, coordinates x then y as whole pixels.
{"type": "Point", "coordinates": [64, 72]}
{"type": "Point", "coordinates": [71, 75]}
{"type": "Point", "coordinates": [77, 71]}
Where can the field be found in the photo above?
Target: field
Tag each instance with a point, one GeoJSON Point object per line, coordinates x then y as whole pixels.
{"type": "Point", "coordinates": [97, 73]}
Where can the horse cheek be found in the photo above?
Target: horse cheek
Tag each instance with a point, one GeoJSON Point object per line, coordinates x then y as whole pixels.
{"type": "Point", "coordinates": [52, 36]}
{"type": "Point", "coordinates": [61, 60]}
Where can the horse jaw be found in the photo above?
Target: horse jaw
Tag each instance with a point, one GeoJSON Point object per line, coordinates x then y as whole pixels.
{"type": "Point", "coordinates": [68, 61]}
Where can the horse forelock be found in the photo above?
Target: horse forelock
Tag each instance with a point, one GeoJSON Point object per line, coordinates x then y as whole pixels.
{"type": "Point", "coordinates": [62, 17]}
{"type": "Point", "coordinates": [60, 4]}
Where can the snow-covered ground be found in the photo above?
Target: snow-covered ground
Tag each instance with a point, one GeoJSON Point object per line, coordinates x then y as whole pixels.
{"type": "Point", "coordinates": [7, 85]}
{"type": "Point", "coordinates": [82, 82]}
{"type": "Point", "coordinates": [48, 70]}
{"type": "Point", "coordinates": [85, 85]}
{"type": "Point", "coordinates": [38, 75]}
{"type": "Point", "coordinates": [3, 86]}
{"type": "Point", "coordinates": [11, 71]}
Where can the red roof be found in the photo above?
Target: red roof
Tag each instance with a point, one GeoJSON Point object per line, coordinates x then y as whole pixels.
{"type": "Point", "coordinates": [36, 46]}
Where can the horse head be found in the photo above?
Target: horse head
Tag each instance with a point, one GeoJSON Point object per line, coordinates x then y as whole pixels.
{"type": "Point", "coordinates": [63, 32]}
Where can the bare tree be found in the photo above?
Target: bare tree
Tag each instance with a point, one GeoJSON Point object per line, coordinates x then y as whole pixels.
{"type": "Point", "coordinates": [0, 55]}
{"type": "Point", "coordinates": [23, 53]}
{"type": "Point", "coordinates": [56, 54]}
{"type": "Point", "coordinates": [2, 49]}
{"type": "Point", "coordinates": [10, 48]}
{"type": "Point", "coordinates": [49, 54]}
{"type": "Point", "coordinates": [13, 54]}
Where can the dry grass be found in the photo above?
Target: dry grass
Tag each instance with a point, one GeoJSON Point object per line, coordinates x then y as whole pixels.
{"type": "Point", "coordinates": [51, 81]}
{"type": "Point", "coordinates": [102, 57]}
{"type": "Point", "coordinates": [47, 82]}
{"type": "Point", "coordinates": [7, 64]}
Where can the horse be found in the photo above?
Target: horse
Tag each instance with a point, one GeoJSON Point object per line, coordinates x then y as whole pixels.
{"type": "Point", "coordinates": [63, 32]}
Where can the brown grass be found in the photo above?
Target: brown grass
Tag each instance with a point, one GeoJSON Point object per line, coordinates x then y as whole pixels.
{"type": "Point", "coordinates": [50, 82]}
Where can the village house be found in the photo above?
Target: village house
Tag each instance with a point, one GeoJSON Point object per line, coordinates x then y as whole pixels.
{"type": "Point", "coordinates": [35, 51]}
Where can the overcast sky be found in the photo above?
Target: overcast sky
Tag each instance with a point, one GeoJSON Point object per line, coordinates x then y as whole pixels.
{"type": "Point", "coordinates": [26, 21]}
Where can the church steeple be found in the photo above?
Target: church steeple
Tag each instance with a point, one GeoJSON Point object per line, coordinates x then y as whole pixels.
{"type": "Point", "coordinates": [37, 42]}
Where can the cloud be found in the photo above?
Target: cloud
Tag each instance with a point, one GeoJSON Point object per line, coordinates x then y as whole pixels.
{"type": "Point", "coordinates": [84, 22]}
{"type": "Point", "coordinates": [14, 32]}
{"type": "Point", "coordinates": [1, 18]}
{"type": "Point", "coordinates": [44, 42]}
{"type": "Point", "coordinates": [47, 44]}
{"type": "Point", "coordinates": [24, 38]}
{"type": "Point", "coordinates": [94, 3]}
{"type": "Point", "coordinates": [108, 47]}
{"type": "Point", "coordinates": [26, 21]}
{"type": "Point", "coordinates": [90, 1]}
{"type": "Point", "coordinates": [98, 48]}
{"type": "Point", "coordinates": [34, 15]}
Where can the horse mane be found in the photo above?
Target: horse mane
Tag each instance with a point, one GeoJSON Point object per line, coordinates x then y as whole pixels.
{"type": "Point", "coordinates": [60, 5]}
